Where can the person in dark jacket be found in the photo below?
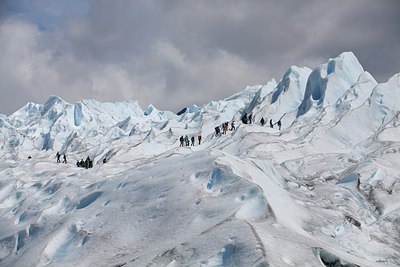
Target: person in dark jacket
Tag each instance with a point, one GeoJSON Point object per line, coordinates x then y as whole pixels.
{"type": "Point", "coordinates": [271, 123]}
{"type": "Point", "coordinates": [279, 124]}
{"type": "Point", "coordinates": [244, 118]}
{"type": "Point", "coordinates": [217, 131]}
{"type": "Point", "coordinates": [233, 125]}
{"type": "Point", "coordinates": [262, 121]}
{"type": "Point", "coordinates": [87, 162]}
{"type": "Point", "coordinates": [192, 139]}
{"type": "Point", "coordinates": [187, 140]}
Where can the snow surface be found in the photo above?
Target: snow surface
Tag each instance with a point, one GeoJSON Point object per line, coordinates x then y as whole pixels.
{"type": "Point", "coordinates": [323, 191]}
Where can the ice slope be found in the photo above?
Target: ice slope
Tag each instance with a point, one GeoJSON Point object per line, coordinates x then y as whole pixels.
{"type": "Point", "coordinates": [323, 191]}
{"type": "Point", "coordinates": [145, 214]}
{"type": "Point", "coordinates": [329, 81]}
{"type": "Point", "coordinates": [284, 100]}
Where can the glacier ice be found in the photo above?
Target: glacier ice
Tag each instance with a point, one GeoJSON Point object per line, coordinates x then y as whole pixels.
{"type": "Point", "coordinates": [323, 190]}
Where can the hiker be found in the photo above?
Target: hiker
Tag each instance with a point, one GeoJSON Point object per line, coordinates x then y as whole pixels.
{"type": "Point", "coordinates": [104, 160]}
{"type": "Point", "coordinates": [224, 127]}
{"type": "Point", "coordinates": [78, 164]}
{"type": "Point", "coordinates": [233, 125]}
{"type": "Point", "coordinates": [187, 140]}
{"type": "Point", "coordinates": [279, 124]}
{"type": "Point", "coordinates": [65, 159]}
{"type": "Point", "coordinates": [250, 118]}
{"type": "Point", "coordinates": [271, 123]}
{"type": "Point", "coordinates": [244, 118]}
{"type": "Point", "coordinates": [182, 140]}
{"type": "Point", "coordinates": [87, 162]}
{"type": "Point", "coordinates": [217, 131]}
{"type": "Point", "coordinates": [82, 163]}
{"type": "Point", "coordinates": [58, 157]}
{"type": "Point", "coordinates": [199, 138]}
{"type": "Point", "coordinates": [262, 121]}
{"type": "Point", "coordinates": [192, 139]}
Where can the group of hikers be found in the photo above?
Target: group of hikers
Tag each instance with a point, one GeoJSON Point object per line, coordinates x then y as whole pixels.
{"type": "Point", "coordinates": [271, 123]}
{"type": "Point", "coordinates": [247, 119]}
{"type": "Point", "coordinates": [224, 126]}
{"type": "Point", "coordinates": [88, 163]}
{"type": "Point", "coordinates": [58, 155]}
{"type": "Point", "coordinates": [184, 141]}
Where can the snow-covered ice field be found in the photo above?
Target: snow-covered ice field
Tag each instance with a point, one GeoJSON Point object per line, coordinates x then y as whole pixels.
{"type": "Point", "coordinates": [322, 191]}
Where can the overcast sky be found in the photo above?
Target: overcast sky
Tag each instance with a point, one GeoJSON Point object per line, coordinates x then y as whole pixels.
{"type": "Point", "coordinates": [176, 53]}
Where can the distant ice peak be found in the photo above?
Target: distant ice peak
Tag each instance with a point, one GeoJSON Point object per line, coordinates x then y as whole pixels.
{"type": "Point", "coordinates": [329, 81]}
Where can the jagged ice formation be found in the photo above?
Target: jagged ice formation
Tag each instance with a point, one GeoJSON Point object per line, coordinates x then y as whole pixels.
{"type": "Point", "coordinates": [323, 191]}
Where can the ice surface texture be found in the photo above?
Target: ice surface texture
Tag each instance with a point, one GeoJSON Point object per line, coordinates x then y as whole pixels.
{"type": "Point", "coordinates": [323, 190]}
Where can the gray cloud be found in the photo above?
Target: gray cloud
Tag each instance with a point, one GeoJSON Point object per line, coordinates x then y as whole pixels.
{"type": "Point", "coordinates": [176, 53]}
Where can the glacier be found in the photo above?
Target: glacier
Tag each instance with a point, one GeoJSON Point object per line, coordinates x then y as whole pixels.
{"type": "Point", "coordinates": [322, 191]}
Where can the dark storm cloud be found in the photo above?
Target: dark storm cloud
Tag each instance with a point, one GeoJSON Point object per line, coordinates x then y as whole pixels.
{"type": "Point", "coordinates": [177, 53]}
